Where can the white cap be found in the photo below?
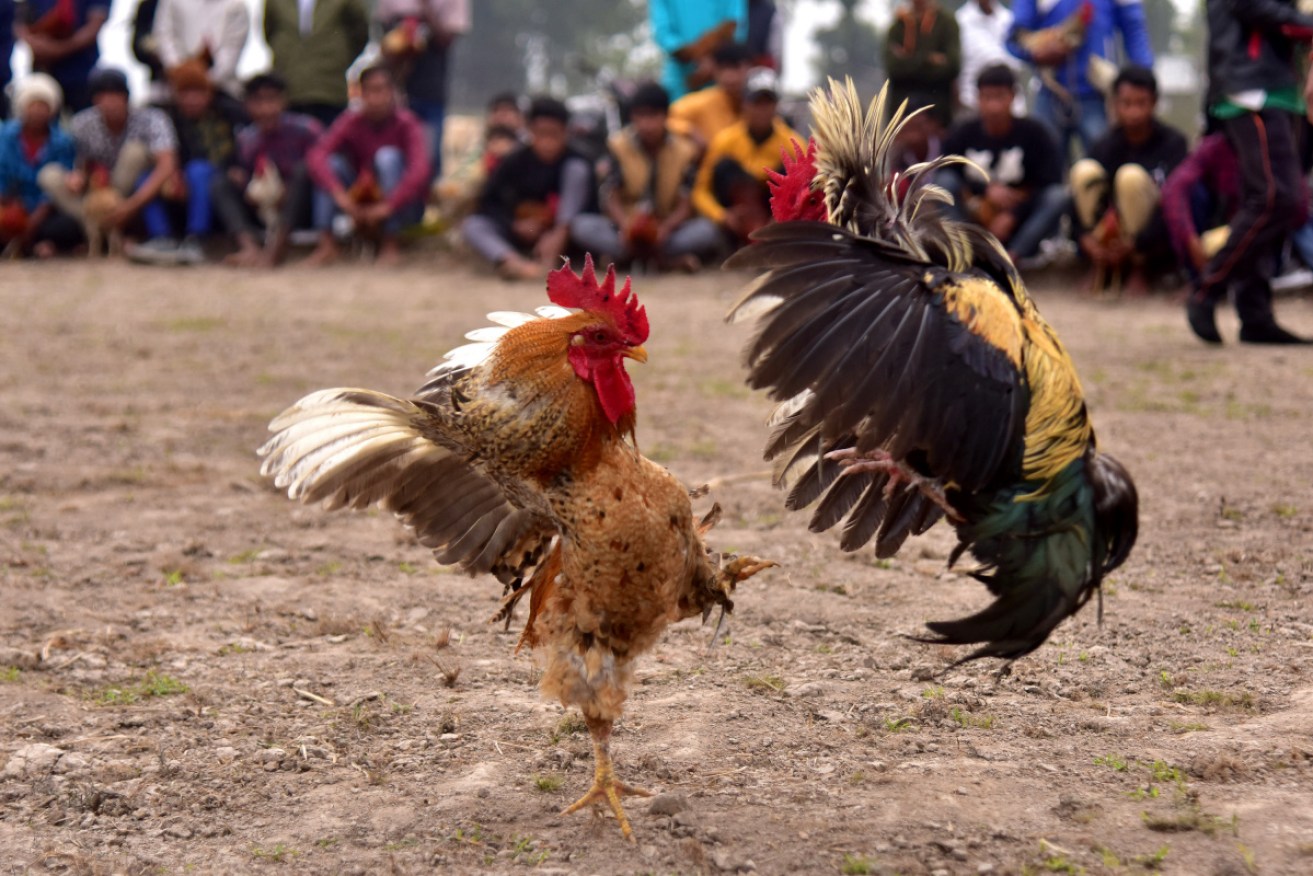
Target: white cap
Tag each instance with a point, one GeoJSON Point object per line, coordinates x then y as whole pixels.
{"type": "Point", "coordinates": [762, 80]}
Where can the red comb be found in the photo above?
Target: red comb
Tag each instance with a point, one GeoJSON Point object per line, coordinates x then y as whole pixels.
{"type": "Point", "coordinates": [583, 292]}
{"type": "Point", "coordinates": [791, 194]}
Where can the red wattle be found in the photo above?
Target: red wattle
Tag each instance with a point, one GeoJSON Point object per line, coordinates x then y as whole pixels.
{"type": "Point", "coordinates": [614, 389]}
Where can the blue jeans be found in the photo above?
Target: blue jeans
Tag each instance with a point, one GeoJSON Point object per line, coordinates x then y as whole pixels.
{"type": "Point", "coordinates": [1087, 119]}
{"type": "Point", "coordinates": [200, 177]}
{"type": "Point", "coordinates": [433, 115]}
{"type": "Point", "coordinates": [389, 167]}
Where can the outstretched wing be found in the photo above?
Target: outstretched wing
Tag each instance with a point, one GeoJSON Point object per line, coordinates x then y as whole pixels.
{"type": "Point", "coordinates": [868, 348]}
{"type": "Point", "coordinates": [354, 448]}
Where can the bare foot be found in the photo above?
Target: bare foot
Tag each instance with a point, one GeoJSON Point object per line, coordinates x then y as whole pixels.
{"type": "Point", "coordinates": [519, 268]}
{"type": "Point", "coordinates": [247, 256]}
{"type": "Point", "coordinates": [325, 254]}
{"type": "Point", "coordinates": [44, 250]}
{"type": "Point", "coordinates": [389, 254]}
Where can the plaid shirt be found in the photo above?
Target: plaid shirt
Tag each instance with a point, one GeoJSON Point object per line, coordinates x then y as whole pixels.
{"type": "Point", "coordinates": [285, 145]}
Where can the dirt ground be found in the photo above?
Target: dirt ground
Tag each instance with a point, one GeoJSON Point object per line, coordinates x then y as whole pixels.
{"type": "Point", "coordinates": [197, 676]}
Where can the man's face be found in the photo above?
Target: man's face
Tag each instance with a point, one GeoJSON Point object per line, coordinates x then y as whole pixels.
{"type": "Point", "coordinates": [37, 114]}
{"type": "Point", "coordinates": [996, 104]}
{"type": "Point", "coordinates": [759, 112]}
{"type": "Point", "coordinates": [1133, 106]}
{"type": "Point", "coordinates": [506, 115]}
{"type": "Point", "coordinates": [265, 106]}
{"type": "Point", "coordinates": [113, 107]}
{"type": "Point", "coordinates": [649, 124]}
{"type": "Point", "coordinates": [378, 99]}
{"type": "Point", "coordinates": [732, 77]}
{"type": "Point", "coordinates": [548, 138]}
{"type": "Point", "coordinates": [193, 102]}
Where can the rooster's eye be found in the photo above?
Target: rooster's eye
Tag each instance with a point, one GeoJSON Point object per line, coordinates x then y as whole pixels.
{"type": "Point", "coordinates": [600, 337]}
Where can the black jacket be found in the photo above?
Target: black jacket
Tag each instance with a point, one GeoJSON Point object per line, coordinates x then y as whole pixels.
{"type": "Point", "coordinates": [1246, 49]}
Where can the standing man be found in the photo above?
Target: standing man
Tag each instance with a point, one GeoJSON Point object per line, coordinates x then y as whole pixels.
{"type": "Point", "coordinates": [923, 56]}
{"type": "Point", "coordinates": [417, 43]}
{"type": "Point", "coordinates": [689, 31]}
{"type": "Point", "coordinates": [213, 31]}
{"type": "Point", "coordinates": [1254, 96]}
{"type": "Point", "coordinates": [62, 36]}
{"type": "Point", "coordinates": [983, 27]}
{"type": "Point", "coordinates": [6, 52]}
{"type": "Point", "coordinates": [313, 43]}
{"type": "Point", "coordinates": [1062, 39]}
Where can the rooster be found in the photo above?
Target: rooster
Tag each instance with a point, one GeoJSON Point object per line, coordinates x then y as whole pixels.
{"type": "Point", "coordinates": [918, 380]}
{"type": "Point", "coordinates": [266, 190]}
{"type": "Point", "coordinates": [517, 457]}
{"type": "Point", "coordinates": [1063, 39]}
{"type": "Point", "coordinates": [98, 208]}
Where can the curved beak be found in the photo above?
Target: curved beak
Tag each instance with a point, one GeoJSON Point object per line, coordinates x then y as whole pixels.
{"type": "Point", "coordinates": [638, 353]}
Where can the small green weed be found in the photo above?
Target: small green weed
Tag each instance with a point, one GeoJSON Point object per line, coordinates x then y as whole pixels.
{"type": "Point", "coordinates": [855, 865]}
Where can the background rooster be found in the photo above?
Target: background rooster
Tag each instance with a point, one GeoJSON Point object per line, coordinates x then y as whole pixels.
{"type": "Point", "coordinates": [918, 380]}
{"type": "Point", "coordinates": [516, 458]}
{"type": "Point", "coordinates": [98, 208]}
{"type": "Point", "coordinates": [266, 190]}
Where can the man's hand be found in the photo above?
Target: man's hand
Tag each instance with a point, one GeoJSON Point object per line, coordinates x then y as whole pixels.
{"type": "Point", "coordinates": [1002, 226]}
{"type": "Point", "coordinates": [1198, 257]}
{"type": "Point", "coordinates": [76, 181]}
{"type": "Point", "coordinates": [1004, 196]}
{"type": "Point", "coordinates": [375, 214]}
{"type": "Point", "coordinates": [1093, 248]}
{"type": "Point", "coordinates": [528, 228]}
{"type": "Point", "coordinates": [123, 213]}
{"type": "Point", "coordinates": [550, 246]}
{"type": "Point", "coordinates": [939, 59]}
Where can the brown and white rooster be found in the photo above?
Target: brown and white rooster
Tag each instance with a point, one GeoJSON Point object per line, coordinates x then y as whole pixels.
{"type": "Point", "coordinates": [266, 191]}
{"type": "Point", "coordinates": [98, 208]}
{"type": "Point", "coordinates": [517, 458]}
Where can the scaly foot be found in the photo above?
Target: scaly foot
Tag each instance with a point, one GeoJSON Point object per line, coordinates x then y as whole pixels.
{"type": "Point", "coordinates": [880, 461]}
{"type": "Point", "coordinates": [606, 787]}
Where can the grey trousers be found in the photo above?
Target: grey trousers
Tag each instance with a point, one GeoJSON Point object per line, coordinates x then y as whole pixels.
{"type": "Point", "coordinates": [133, 161]}
{"type": "Point", "coordinates": [595, 233]}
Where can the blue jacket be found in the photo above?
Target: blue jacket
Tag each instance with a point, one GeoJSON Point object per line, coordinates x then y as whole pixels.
{"type": "Point", "coordinates": [676, 23]}
{"type": "Point", "coordinates": [18, 175]}
{"type": "Point", "coordinates": [1110, 16]}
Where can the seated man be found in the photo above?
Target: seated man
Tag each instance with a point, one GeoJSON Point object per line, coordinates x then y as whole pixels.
{"type": "Point", "coordinates": [136, 145]}
{"type": "Point", "coordinates": [731, 183]}
{"type": "Point", "coordinates": [922, 138]}
{"type": "Point", "coordinates": [646, 194]}
{"type": "Point", "coordinates": [373, 166]}
{"type": "Point", "coordinates": [522, 222]}
{"type": "Point", "coordinates": [207, 148]}
{"type": "Point", "coordinates": [504, 112]}
{"type": "Point", "coordinates": [1121, 226]}
{"type": "Point", "coordinates": [271, 171]}
{"type": "Point", "coordinates": [29, 222]}
{"type": "Point", "coordinates": [1022, 200]}
{"type": "Point", "coordinates": [702, 115]}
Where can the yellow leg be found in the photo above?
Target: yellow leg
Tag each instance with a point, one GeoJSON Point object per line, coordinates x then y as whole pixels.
{"type": "Point", "coordinates": [606, 787]}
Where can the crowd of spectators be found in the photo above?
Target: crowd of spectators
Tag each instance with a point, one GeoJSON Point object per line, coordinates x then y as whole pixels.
{"type": "Point", "coordinates": [295, 150]}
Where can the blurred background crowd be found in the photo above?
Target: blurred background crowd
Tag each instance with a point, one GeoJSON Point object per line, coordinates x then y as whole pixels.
{"type": "Point", "coordinates": [183, 131]}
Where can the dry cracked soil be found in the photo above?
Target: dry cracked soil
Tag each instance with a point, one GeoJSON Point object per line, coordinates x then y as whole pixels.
{"type": "Point", "coordinates": [198, 676]}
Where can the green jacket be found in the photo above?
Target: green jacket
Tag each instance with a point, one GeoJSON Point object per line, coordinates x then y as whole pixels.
{"type": "Point", "coordinates": [913, 74]}
{"type": "Point", "coordinates": [315, 65]}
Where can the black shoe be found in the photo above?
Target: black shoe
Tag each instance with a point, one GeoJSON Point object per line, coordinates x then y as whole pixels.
{"type": "Point", "coordinates": [1269, 333]}
{"type": "Point", "coordinates": [1203, 317]}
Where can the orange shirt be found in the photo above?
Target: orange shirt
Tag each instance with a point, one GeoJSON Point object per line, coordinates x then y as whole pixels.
{"type": "Point", "coordinates": [703, 114]}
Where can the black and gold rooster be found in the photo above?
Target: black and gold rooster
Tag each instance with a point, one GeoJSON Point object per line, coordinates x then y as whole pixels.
{"type": "Point", "coordinates": [917, 380]}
